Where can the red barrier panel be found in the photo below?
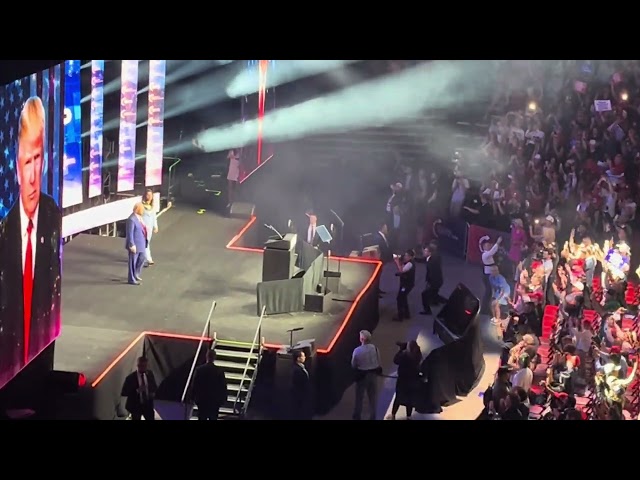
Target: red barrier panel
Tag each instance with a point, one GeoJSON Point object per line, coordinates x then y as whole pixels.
{"type": "Point", "coordinates": [475, 233]}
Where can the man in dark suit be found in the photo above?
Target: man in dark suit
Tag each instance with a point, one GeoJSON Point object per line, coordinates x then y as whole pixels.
{"type": "Point", "coordinates": [209, 388]}
{"type": "Point", "coordinates": [301, 398]}
{"type": "Point", "coordinates": [29, 255]}
{"type": "Point", "coordinates": [434, 279]}
{"type": "Point", "coordinates": [310, 235]}
{"type": "Point", "coordinates": [136, 243]}
{"type": "Point", "coordinates": [140, 389]}
{"type": "Point", "coordinates": [381, 238]}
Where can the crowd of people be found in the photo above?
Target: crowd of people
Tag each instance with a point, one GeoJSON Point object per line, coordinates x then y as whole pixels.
{"type": "Point", "coordinates": [564, 175]}
{"type": "Point", "coordinates": [561, 175]}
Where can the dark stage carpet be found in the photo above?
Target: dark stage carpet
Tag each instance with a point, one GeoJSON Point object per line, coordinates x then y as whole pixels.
{"type": "Point", "coordinates": [102, 314]}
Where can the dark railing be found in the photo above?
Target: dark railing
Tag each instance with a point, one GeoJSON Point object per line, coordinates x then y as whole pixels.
{"type": "Point", "coordinates": [171, 181]}
{"type": "Point", "coordinates": [205, 335]}
{"type": "Point", "coordinates": [256, 344]}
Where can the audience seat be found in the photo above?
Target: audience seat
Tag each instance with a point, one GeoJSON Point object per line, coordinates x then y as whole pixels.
{"type": "Point", "coordinates": [630, 294]}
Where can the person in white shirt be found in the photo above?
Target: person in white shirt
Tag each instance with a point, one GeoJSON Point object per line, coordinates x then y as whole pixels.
{"type": "Point", "coordinates": [311, 233]}
{"type": "Point", "coordinates": [523, 378]}
{"type": "Point", "coordinates": [366, 364]}
{"type": "Point", "coordinates": [394, 200]}
{"type": "Point", "coordinates": [583, 337]}
{"type": "Point", "coordinates": [488, 250]}
{"type": "Point", "coordinates": [233, 176]}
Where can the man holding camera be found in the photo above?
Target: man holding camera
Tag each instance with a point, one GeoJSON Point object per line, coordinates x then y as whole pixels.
{"type": "Point", "coordinates": [407, 273]}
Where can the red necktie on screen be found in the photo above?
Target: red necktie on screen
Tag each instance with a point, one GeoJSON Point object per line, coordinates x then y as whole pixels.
{"type": "Point", "coordinates": [144, 230]}
{"type": "Point", "coordinates": [27, 291]}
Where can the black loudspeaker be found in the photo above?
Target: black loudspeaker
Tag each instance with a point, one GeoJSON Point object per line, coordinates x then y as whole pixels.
{"type": "Point", "coordinates": [242, 210]}
{"type": "Point", "coordinates": [461, 308]}
{"type": "Point", "coordinates": [66, 382]}
{"type": "Point", "coordinates": [317, 303]}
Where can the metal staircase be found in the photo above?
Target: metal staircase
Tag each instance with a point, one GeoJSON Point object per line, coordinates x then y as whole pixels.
{"type": "Point", "coordinates": [239, 360]}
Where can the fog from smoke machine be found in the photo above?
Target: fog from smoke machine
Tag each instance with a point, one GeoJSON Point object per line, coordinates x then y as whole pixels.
{"type": "Point", "coordinates": [395, 97]}
{"type": "Point", "coordinates": [284, 72]}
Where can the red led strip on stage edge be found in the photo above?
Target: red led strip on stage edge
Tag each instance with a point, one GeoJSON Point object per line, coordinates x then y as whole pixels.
{"type": "Point", "coordinates": [232, 246]}
{"type": "Point", "coordinates": [134, 342]}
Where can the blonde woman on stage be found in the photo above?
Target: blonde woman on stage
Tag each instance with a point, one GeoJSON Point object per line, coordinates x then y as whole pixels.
{"type": "Point", "coordinates": [150, 220]}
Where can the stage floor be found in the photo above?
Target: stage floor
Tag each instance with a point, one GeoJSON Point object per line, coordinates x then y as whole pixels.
{"type": "Point", "coordinates": [102, 314]}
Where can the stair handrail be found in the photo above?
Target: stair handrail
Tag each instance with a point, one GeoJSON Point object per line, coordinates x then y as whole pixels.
{"type": "Point", "coordinates": [256, 340]}
{"type": "Point", "coordinates": [172, 173]}
{"type": "Point", "coordinates": [195, 357]}
{"type": "Point", "coordinates": [252, 385]}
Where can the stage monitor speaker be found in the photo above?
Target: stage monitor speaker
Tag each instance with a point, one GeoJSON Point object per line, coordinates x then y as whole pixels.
{"type": "Point", "coordinates": [242, 210]}
{"type": "Point", "coordinates": [460, 310]}
{"type": "Point", "coordinates": [317, 303]}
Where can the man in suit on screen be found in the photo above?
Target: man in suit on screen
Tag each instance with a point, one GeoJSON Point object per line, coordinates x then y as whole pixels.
{"type": "Point", "coordinates": [136, 243]}
{"type": "Point", "coordinates": [29, 254]}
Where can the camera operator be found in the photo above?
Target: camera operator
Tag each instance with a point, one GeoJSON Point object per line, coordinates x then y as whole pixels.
{"type": "Point", "coordinates": [408, 359]}
{"type": "Point", "coordinates": [407, 273]}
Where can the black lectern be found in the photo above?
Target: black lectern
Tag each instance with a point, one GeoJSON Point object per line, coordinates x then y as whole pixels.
{"type": "Point", "coordinates": [279, 259]}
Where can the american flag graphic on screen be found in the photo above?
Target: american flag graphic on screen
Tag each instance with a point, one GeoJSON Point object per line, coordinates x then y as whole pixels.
{"type": "Point", "coordinates": [45, 85]}
{"type": "Point", "coordinates": [12, 97]}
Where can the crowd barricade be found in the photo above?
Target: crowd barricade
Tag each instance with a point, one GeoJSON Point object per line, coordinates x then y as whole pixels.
{"type": "Point", "coordinates": [475, 233]}
{"type": "Point", "coordinates": [451, 235]}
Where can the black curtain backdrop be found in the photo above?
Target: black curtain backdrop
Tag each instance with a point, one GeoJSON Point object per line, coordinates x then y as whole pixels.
{"type": "Point", "coordinates": [107, 402]}
{"type": "Point", "coordinates": [170, 360]}
{"type": "Point", "coordinates": [25, 390]}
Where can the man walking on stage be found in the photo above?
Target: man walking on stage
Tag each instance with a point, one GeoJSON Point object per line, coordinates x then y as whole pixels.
{"type": "Point", "coordinates": [136, 244]}
{"type": "Point", "coordinates": [209, 388]}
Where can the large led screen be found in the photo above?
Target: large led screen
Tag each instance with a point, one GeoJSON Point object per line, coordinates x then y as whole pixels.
{"type": "Point", "coordinates": [31, 146]}
{"type": "Point", "coordinates": [72, 184]}
{"type": "Point", "coordinates": [96, 128]}
{"type": "Point", "coordinates": [155, 122]}
{"type": "Point", "coordinates": [128, 125]}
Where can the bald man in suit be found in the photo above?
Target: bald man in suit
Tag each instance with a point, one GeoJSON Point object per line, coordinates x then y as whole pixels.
{"type": "Point", "coordinates": [136, 244]}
